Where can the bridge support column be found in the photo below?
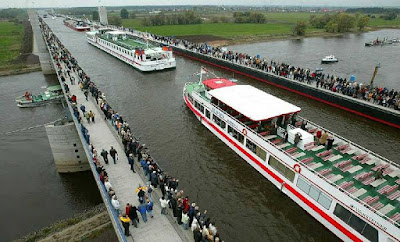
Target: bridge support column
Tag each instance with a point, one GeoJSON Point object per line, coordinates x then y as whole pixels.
{"type": "Point", "coordinates": [68, 152]}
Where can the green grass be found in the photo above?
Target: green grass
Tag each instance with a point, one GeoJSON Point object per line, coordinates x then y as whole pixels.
{"type": "Point", "coordinates": [10, 41]}
{"type": "Point", "coordinates": [277, 23]}
{"type": "Point", "coordinates": [379, 22]}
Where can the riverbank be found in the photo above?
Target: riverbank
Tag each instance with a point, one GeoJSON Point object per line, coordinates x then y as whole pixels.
{"type": "Point", "coordinates": [17, 45]}
{"type": "Point", "coordinates": [250, 39]}
{"type": "Point", "coordinates": [92, 225]}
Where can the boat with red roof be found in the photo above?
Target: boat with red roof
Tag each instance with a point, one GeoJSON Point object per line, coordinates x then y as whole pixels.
{"type": "Point", "coordinates": [352, 191]}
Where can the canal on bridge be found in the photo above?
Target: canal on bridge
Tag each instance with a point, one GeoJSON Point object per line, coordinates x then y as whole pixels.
{"type": "Point", "coordinates": [245, 205]}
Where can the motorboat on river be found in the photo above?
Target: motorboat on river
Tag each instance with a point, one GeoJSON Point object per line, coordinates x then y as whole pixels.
{"type": "Point", "coordinates": [377, 42]}
{"type": "Point", "coordinates": [28, 100]}
{"type": "Point", "coordinates": [329, 59]}
{"type": "Point", "coordinates": [351, 190]}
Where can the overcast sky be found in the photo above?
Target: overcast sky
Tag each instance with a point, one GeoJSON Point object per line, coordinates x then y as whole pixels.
{"type": "Point", "coordinates": [87, 3]}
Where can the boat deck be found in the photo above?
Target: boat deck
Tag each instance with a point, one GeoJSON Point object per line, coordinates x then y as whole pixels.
{"type": "Point", "coordinates": [129, 43]}
{"type": "Point", "coordinates": [351, 172]}
{"type": "Point", "coordinates": [351, 169]}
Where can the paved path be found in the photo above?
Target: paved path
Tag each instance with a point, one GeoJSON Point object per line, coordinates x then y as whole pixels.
{"type": "Point", "coordinates": [123, 180]}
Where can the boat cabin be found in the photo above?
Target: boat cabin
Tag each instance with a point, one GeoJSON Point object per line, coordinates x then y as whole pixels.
{"type": "Point", "coordinates": [215, 83]}
{"type": "Point", "coordinates": [116, 35]}
{"type": "Point", "coordinates": [256, 109]}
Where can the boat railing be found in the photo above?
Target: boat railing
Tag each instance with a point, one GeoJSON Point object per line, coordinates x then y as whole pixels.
{"type": "Point", "coordinates": [308, 168]}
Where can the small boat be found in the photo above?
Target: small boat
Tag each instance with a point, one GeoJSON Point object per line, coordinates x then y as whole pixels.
{"type": "Point", "coordinates": [329, 59]}
{"type": "Point", "coordinates": [396, 40]}
{"type": "Point", "coordinates": [77, 25]}
{"type": "Point", "coordinates": [28, 100]}
{"type": "Point", "coordinates": [376, 42]}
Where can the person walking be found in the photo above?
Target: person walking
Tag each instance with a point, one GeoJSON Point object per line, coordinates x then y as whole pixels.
{"type": "Point", "coordinates": [149, 208]}
{"type": "Point", "coordinates": [104, 154]}
{"type": "Point", "coordinates": [86, 94]}
{"type": "Point", "coordinates": [115, 203]}
{"type": "Point", "coordinates": [134, 216]}
{"type": "Point", "coordinates": [125, 220]}
{"type": "Point", "coordinates": [91, 115]}
{"type": "Point", "coordinates": [185, 220]}
{"type": "Point", "coordinates": [131, 161]}
{"type": "Point", "coordinates": [142, 210]}
{"type": "Point", "coordinates": [87, 116]}
{"type": "Point", "coordinates": [83, 109]}
{"type": "Point", "coordinates": [114, 154]}
{"type": "Point", "coordinates": [164, 204]}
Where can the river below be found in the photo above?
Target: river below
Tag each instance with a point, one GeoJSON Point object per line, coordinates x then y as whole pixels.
{"type": "Point", "coordinates": [34, 195]}
{"type": "Point", "coordinates": [245, 206]}
{"type": "Point", "coordinates": [354, 57]}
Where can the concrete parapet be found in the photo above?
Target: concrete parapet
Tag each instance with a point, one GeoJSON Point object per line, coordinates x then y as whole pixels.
{"type": "Point", "coordinates": [41, 49]}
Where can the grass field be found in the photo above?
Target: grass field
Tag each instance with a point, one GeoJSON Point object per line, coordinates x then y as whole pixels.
{"type": "Point", "coordinates": [10, 42]}
{"type": "Point", "coordinates": [277, 24]}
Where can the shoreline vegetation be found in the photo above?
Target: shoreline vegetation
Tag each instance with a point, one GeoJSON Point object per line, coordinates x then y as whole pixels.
{"type": "Point", "coordinates": [16, 39]}
{"type": "Point", "coordinates": [277, 26]}
{"type": "Point", "coordinates": [91, 225]}
{"type": "Point", "coordinates": [222, 28]}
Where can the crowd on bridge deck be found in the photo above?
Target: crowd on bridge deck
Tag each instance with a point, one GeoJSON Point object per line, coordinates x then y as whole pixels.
{"type": "Point", "coordinates": [378, 95]}
{"type": "Point", "coordinates": [186, 213]}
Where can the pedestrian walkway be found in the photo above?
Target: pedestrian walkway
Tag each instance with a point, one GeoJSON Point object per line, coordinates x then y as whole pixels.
{"type": "Point", "coordinates": [123, 180]}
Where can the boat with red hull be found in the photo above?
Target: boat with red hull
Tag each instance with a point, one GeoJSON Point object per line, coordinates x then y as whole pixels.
{"type": "Point", "coordinates": [352, 191]}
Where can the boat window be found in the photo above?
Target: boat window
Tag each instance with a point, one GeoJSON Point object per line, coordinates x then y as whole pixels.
{"type": "Point", "coordinates": [356, 223]}
{"type": "Point", "coordinates": [235, 134]}
{"type": "Point", "coordinates": [250, 145]}
{"type": "Point", "coordinates": [199, 106]}
{"type": "Point", "coordinates": [219, 122]}
{"type": "Point", "coordinates": [208, 114]}
{"type": "Point", "coordinates": [314, 192]}
{"type": "Point", "coordinates": [261, 153]}
{"type": "Point", "coordinates": [281, 168]}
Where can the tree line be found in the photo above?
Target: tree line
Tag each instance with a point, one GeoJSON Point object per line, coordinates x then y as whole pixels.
{"type": "Point", "coordinates": [340, 22]}
{"type": "Point", "coordinates": [188, 17]}
{"type": "Point", "coordinates": [248, 17]}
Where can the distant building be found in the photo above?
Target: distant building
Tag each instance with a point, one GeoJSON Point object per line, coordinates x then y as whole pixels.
{"type": "Point", "coordinates": [103, 15]}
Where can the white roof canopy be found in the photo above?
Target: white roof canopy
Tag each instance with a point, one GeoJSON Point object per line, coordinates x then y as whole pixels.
{"type": "Point", "coordinates": [116, 32]}
{"type": "Point", "coordinates": [252, 102]}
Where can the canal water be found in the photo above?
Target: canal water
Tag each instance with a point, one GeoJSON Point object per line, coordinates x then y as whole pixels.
{"type": "Point", "coordinates": [245, 206]}
{"type": "Point", "coordinates": [34, 195]}
{"type": "Point", "coordinates": [354, 57]}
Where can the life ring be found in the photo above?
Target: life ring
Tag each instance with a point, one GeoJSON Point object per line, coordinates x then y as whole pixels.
{"type": "Point", "coordinates": [244, 132]}
{"type": "Point", "coordinates": [297, 168]}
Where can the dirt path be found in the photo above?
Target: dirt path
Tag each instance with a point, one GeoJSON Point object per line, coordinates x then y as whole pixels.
{"type": "Point", "coordinates": [80, 230]}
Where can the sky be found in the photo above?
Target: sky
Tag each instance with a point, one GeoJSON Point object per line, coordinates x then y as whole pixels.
{"type": "Point", "coordinates": [93, 3]}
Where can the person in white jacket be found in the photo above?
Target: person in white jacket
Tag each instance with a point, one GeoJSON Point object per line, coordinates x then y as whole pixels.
{"type": "Point", "coordinates": [164, 204]}
{"type": "Point", "coordinates": [115, 203]}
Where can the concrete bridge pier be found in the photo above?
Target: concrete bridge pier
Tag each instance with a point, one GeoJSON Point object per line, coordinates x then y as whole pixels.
{"type": "Point", "coordinates": [66, 146]}
{"type": "Point", "coordinates": [40, 48]}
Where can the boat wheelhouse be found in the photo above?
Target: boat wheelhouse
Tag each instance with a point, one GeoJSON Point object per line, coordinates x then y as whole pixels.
{"type": "Point", "coordinates": [132, 50]}
{"type": "Point", "coordinates": [350, 190]}
{"type": "Point", "coordinates": [329, 59]}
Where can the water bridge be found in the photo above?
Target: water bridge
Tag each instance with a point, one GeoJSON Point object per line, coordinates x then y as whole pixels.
{"type": "Point", "coordinates": [72, 139]}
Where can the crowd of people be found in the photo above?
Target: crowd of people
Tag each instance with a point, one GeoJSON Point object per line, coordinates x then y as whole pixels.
{"type": "Point", "coordinates": [187, 213]}
{"type": "Point", "coordinates": [378, 95]}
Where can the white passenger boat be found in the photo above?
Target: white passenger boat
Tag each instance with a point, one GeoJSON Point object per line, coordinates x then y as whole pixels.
{"type": "Point", "coordinates": [329, 59]}
{"type": "Point", "coordinates": [350, 190]}
{"type": "Point", "coordinates": [132, 50]}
